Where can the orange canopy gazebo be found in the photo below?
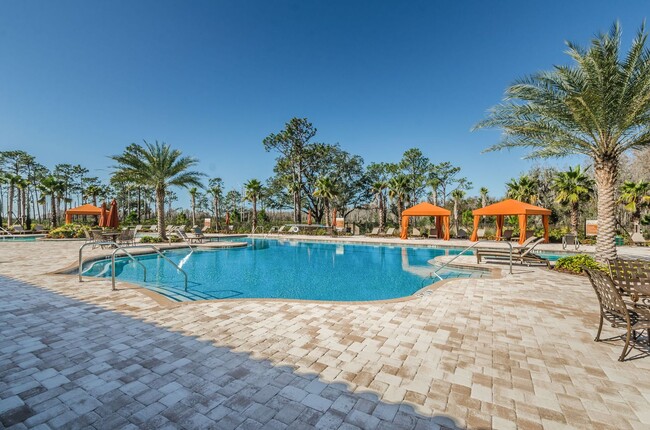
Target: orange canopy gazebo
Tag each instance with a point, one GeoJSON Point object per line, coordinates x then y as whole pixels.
{"type": "Point", "coordinates": [81, 210]}
{"type": "Point", "coordinates": [511, 207]}
{"type": "Point", "coordinates": [427, 209]}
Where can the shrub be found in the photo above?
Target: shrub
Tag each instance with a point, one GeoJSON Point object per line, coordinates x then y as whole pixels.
{"type": "Point", "coordinates": [576, 263]}
{"type": "Point", "coordinates": [68, 231]}
{"type": "Point", "coordinates": [157, 239]}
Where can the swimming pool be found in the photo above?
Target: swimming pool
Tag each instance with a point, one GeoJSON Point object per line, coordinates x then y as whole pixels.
{"type": "Point", "coordinates": [271, 268]}
{"type": "Point", "coordinates": [26, 238]}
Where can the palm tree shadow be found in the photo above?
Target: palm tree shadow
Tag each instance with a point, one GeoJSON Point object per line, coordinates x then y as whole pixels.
{"type": "Point", "coordinates": [112, 370]}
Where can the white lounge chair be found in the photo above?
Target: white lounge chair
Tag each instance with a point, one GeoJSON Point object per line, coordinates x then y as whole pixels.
{"type": "Point", "coordinates": [390, 232]}
{"type": "Point", "coordinates": [374, 232]}
{"type": "Point", "coordinates": [522, 254]}
{"type": "Point", "coordinates": [639, 240]}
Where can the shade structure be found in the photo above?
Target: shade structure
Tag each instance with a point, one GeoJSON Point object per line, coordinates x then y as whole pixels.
{"type": "Point", "coordinates": [427, 209]}
{"type": "Point", "coordinates": [81, 210]}
{"type": "Point", "coordinates": [103, 216]}
{"type": "Point", "coordinates": [113, 221]}
{"type": "Point", "coordinates": [227, 218]}
{"type": "Point", "coordinates": [309, 217]}
{"type": "Point", "coordinates": [511, 207]}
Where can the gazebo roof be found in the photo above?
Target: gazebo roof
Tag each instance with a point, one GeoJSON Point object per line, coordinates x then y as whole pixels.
{"type": "Point", "coordinates": [87, 209]}
{"type": "Point", "coordinates": [426, 209]}
{"type": "Point", "coordinates": [511, 207]}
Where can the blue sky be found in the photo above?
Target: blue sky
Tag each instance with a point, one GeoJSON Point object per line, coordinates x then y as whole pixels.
{"type": "Point", "coordinates": [80, 80]}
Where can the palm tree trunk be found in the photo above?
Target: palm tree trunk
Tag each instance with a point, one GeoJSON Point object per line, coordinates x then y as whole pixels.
{"type": "Point", "coordinates": [53, 203]}
{"type": "Point", "coordinates": [381, 213]}
{"type": "Point", "coordinates": [606, 172]}
{"type": "Point", "coordinates": [575, 213]}
{"type": "Point", "coordinates": [254, 214]}
{"type": "Point", "coordinates": [10, 205]}
{"type": "Point", "coordinates": [160, 211]}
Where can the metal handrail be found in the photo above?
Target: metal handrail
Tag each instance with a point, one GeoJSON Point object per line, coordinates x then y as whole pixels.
{"type": "Point", "coordinates": [122, 248]}
{"type": "Point", "coordinates": [435, 272]}
{"type": "Point", "coordinates": [81, 248]}
{"type": "Point", "coordinates": [184, 237]}
{"type": "Point", "coordinates": [6, 232]}
{"type": "Point", "coordinates": [156, 250]}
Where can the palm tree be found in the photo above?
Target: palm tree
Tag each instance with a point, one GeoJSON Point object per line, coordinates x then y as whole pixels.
{"type": "Point", "coordinates": [253, 192]}
{"type": "Point", "coordinates": [398, 189]}
{"type": "Point", "coordinates": [215, 188]}
{"type": "Point", "coordinates": [53, 187]}
{"type": "Point", "coordinates": [571, 188]}
{"type": "Point", "coordinates": [158, 166]}
{"type": "Point", "coordinates": [635, 196]}
{"type": "Point", "coordinates": [598, 107]}
{"type": "Point", "coordinates": [325, 189]}
{"type": "Point", "coordinates": [434, 183]}
{"type": "Point", "coordinates": [484, 196]}
{"type": "Point", "coordinates": [93, 191]}
{"type": "Point", "coordinates": [22, 185]}
{"type": "Point", "coordinates": [457, 195]}
{"type": "Point", "coordinates": [377, 188]}
{"type": "Point", "coordinates": [194, 192]}
{"type": "Point", "coordinates": [525, 189]}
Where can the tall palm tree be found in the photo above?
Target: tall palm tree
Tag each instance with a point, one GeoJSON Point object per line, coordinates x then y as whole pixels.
{"type": "Point", "coordinates": [398, 189]}
{"type": "Point", "coordinates": [53, 187]}
{"type": "Point", "coordinates": [598, 107]}
{"type": "Point", "coordinates": [434, 183]}
{"type": "Point", "coordinates": [158, 166]}
{"type": "Point", "coordinates": [325, 189]}
{"type": "Point", "coordinates": [635, 196]}
{"type": "Point", "coordinates": [484, 196]}
{"type": "Point", "coordinates": [194, 192]}
{"type": "Point", "coordinates": [457, 195]}
{"type": "Point", "coordinates": [524, 189]}
{"type": "Point", "coordinates": [377, 188]}
{"type": "Point", "coordinates": [253, 189]}
{"type": "Point", "coordinates": [573, 187]}
{"type": "Point", "coordinates": [215, 188]}
{"type": "Point", "coordinates": [93, 191]}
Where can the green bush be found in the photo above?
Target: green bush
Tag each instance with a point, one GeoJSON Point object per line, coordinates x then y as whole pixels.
{"type": "Point", "coordinates": [157, 239]}
{"type": "Point", "coordinates": [576, 263]}
{"type": "Point", "coordinates": [68, 231]}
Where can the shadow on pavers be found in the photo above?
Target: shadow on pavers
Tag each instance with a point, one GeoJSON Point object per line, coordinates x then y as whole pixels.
{"type": "Point", "coordinates": [70, 364]}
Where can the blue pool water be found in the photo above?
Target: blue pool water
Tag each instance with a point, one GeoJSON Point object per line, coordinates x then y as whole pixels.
{"type": "Point", "coordinates": [19, 238]}
{"type": "Point", "coordinates": [288, 269]}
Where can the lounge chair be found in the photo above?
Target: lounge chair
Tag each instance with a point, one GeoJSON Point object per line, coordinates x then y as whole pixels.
{"type": "Point", "coordinates": [205, 229]}
{"type": "Point", "coordinates": [281, 229]}
{"type": "Point", "coordinates": [639, 240]}
{"type": "Point", "coordinates": [40, 229]}
{"type": "Point", "coordinates": [416, 233]}
{"type": "Point", "coordinates": [614, 309]}
{"type": "Point", "coordinates": [170, 228]}
{"type": "Point", "coordinates": [522, 254]}
{"type": "Point", "coordinates": [374, 232]}
{"type": "Point", "coordinates": [462, 234]}
{"type": "Point", "coordinates": [480, 233]}
{"type": "Point", "coordinates": [19, 229]}
{"type": "Point", "coordinates": [570, 240]}
{"type": "Point", "coordinates": [390, 232]}
{"type": "Point", "coordinates": [154, 227]}
{"type": "Point", "coordinates": [433, 232]}
{"type": "Point", "coordinates": [189, 237]}
{"type": "Point", "coordinates": [506, 235]}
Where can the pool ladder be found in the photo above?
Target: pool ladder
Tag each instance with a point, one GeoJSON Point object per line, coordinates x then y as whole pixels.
{"type": "Point", "coordinates": [124, 249]}
{"type": "Point", "coordinates": [435, 272]}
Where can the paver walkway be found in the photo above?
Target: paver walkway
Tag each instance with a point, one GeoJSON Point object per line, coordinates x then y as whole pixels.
{"type": "Point", "coordinates": [516, 352]}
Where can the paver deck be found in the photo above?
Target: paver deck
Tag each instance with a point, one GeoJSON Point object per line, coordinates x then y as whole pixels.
{"type": "Point", "coordinates": [514, 352]}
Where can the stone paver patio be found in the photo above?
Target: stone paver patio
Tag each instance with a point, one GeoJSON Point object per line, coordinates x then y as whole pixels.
{"type": "Point", "coordinates": [513, 352]}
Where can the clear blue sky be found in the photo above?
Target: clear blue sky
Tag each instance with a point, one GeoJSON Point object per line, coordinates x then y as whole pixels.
{"type": "Point", "coordinates": [80, 80]}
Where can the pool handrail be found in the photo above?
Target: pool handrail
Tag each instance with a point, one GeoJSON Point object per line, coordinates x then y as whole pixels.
{"type": "Point", "coordinates": [156, 250]}
{"type": "Point", "coordinates": [123, 248]}
{"type": "Point", "coordinates": [435, 272]}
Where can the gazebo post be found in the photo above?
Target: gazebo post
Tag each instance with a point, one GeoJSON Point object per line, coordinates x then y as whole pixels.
{"type": "Point", "coordinates": [522, 228]}
{"type": "Point", "coordinates": [500, 219]}
{"type": "Point", "coordinates": [404, 234]}
{"type": "Point", "coordinates": [477, 220]}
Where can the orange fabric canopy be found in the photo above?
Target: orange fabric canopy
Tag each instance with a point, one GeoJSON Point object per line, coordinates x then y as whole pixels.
{"type": "Point", "coordinates": [511, 207]}
{"type": "Point", "coordinates": [81, 210]}
{"type": "Point", "coordinates": [427, 209]}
